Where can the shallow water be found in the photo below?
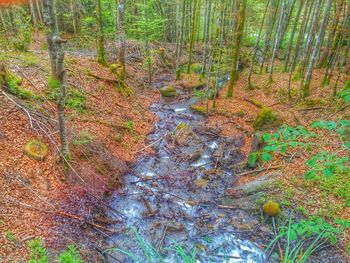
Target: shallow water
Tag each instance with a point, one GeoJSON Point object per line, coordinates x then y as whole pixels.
{"type": "Point", "coordinates": [179, 211]}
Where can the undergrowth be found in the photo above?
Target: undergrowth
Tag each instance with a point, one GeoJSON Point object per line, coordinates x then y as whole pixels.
{"type": "Point", "coordinates": [39, 254]}
{"type": "Point", "coordinates": [76, 99]}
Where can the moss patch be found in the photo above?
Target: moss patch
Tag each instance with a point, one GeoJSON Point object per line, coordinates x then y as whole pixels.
{"type": "Point", "coordinates": [35, 149]}
{"type": "Point", "coordinates": [267, 119]}
{"type": "Point", "coordinates": [271, 208]}
{"type": "Point", "coordinates": [192, 81]}
{"type": "Point", "coordinates": [168, 91]}
{"type": "Point", "coordinates": [200, 109]}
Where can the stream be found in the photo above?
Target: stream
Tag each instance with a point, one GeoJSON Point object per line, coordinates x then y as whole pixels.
{"type": "Point", "coordinates": [171, 196]}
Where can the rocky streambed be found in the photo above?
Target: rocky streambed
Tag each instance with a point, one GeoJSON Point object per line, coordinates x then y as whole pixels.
{"type": "Point", "coordinates": [176, 197]}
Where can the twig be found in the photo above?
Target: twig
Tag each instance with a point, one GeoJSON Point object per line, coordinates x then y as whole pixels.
{"type": "Point", "coordinates": [150, 145]}
{"type": "Point", "coordinates": [159, 247]}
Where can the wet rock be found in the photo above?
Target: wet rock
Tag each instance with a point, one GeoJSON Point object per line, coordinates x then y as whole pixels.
{"type": "Point", "coordinates": [168, 91]}
{"type": "Point", "coordinates": [189, 143]}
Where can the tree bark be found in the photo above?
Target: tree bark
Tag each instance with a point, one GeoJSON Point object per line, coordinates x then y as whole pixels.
{"type": "Point", "coordinates": [250, 85]}
{"type": "Point", "coordinates": [237, 45]}
{"type": "Point", "coordinates": [58, 72]}
{"type": "Point", "coordinates": [121, 33]}
{"type": "Point", "coordinates": [319, 39]}
{"type": "Point", "coordinates": [101, 53]}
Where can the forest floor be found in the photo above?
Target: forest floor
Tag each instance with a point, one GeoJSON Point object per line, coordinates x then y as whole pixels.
{"type": "Point", "coordinates": [108, 130]}
{"type": "Point", "coordinates": [108, 127]}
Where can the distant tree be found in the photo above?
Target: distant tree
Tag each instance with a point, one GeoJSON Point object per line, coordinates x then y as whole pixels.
{"type": "Point", "coordinates": [305, 83]}
{"type": "Point", "coordinates": [121, 34]}
{"type": "Point", "coordinates": [101, 53]}
{"type": "Point", "coordinates": [236, 47]}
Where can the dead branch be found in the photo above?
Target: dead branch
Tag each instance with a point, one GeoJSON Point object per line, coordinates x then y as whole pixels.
{"type": "Point", "coordinates": [260, 170]}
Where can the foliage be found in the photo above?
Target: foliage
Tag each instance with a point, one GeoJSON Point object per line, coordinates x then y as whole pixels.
{"type": "Point", "coordinates": [71, 255]}
{"type": "Point", "coordinates": [76, 99]}
{"type": "Point", "coordinates": [83, 138]}
{"type": "Point", "coordinates": [286, 137]}
{"type": "Point", "coordinates": [327, 164]}
{"type": "Point", "coordinates": [141, 28]}
{"type": "Point", "coordinates": [344, 94]}
{"type": "Point", "coordinates": [302, 238]}
{"type": "Point", "coordinates": [129, 125]}
{"type": "Point", "coordinates": [38, 253]}
{"type": "Point", "coordinates": [14, 87]}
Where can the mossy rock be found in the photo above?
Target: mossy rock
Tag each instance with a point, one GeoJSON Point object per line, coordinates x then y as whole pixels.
{"type": "Point", "coordinates": [271, 208]}
{"type": "Point", "coordinates": [199, 109]}
{"type": "Point", "coordinates": [192, 81]}
{"type": "Point", "coordinates": [168, 91]}
{"type": "Point", "coordinates": [196, 68]}
{"type": "Point", "coordinates": [267, 119]}
{"type": "Point", "coordinates": [36, 149]}
{"type": "Point", "coordinates": [312, 102]}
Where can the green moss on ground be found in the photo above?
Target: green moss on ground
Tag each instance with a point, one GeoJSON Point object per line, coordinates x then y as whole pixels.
{"type": "Point", "coordinates": [199, 109]}
{"type": "Point", "coordinates": [192, 81]}
{"type": "Point", "coordinates": [267, 119]}
{"type": "Point", "coordinates": [36, 149]}
{"type": "Point", "coordinates": [168, 91]}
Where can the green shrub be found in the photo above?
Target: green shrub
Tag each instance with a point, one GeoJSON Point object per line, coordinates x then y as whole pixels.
{"type": "Point", "coordinates": [38, 253]}
{"type": "Point", "coordinates": [71, 255]}
{"type": "Point", "coordinates": [76, 99]}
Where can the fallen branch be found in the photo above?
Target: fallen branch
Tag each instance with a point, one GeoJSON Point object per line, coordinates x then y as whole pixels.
{"type": "Point", "coordinates": [113, 81]}
{"type": "Point", "coordinates": [260, 170]}
{"type": "Point", "coordinates": [58, 213]}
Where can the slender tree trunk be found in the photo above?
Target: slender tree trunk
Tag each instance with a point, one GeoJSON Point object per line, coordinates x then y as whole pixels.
{"type": "Point", "coordinates": [278, 39]}
{"type": "Point", "coordinates": [71, 8]}
{"type": "Point", "coordinates": [290, 45]}
{"type": "Point", "coordinates": [336, 18]}
{"type": "Point", "coordinates": [222, 28]}
{"type": "Point", "coordinates": [148, 51]}
{"type": "Point", "coordinates": [193, 35]}
{"type": "Point", "coordinates": [58, 72]}
{"type": "Point", "coordinates": [305, 92]}
{"type": "Point", "coordinates": [182, 31]}
{"type": "Point", "coordinates": [121, 34]}
{"type": "Point", "coordinates": [237, 45]}
{"type": "Point", "coordinates": [32, 14]}
{"type": "Point", "coordinates": [39, 10]}
{"type": "Point", "coordinates": [206, 34]}
{"type": "Point", "coordinates": [271, 24]}
{"type": "Point", "coordinates": [250, 85]}
{"type": "Point", "coordinates": [101, 53]}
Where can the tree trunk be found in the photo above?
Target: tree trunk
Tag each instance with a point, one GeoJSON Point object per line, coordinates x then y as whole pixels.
{"type": "Point", "coordinates": [237, 45]}
{"type": "Point", "coordinates": [101, 53]}
{"type": "Point", "coordinates": [58, 72]}
{"type": "Point", "coordinates": [193, 34]}
{"type": "Point", "coordinates": [290, 45]}
{"type": "Point", "coordinates": [250, 85]}
{"type": "Point", "coordinates": [319, 39]}
{"type": "Point", "coordinates": [121, 33]}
